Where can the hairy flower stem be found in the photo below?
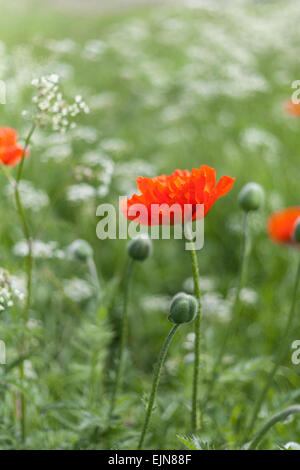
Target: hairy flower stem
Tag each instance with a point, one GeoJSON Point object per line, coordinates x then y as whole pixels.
{"type": "Point", "coordinates": [123, 336]}
{"type": "Point", "coordinates": [235, 309]}
{"type": "Point", "coordinates": [195, 421]}
{"type": "Point", "coordinates": [281, 416]}
{"type": "Point", "coordinates": [161, 360]}
{"type": "Point", "coordinates": [283, 348]}
{"type": "Point", "coordinates": [28, 269]}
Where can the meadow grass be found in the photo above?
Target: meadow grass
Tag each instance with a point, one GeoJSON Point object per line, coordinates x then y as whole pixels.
{"type": "Point", "coordinates": [168, 88]}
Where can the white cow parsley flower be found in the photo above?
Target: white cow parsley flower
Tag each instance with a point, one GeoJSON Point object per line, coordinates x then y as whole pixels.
{"type": "Point", "coordinates": [52, 108]}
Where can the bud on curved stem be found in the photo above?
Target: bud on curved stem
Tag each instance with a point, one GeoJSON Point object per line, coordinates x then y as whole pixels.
{"type": "Point", "coordinates": [161, 360]}
{"type": "Point", "coordinates": [183, 308]}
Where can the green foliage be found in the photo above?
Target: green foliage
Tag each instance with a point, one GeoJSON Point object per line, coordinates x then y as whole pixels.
{"type": "Point", "coordinates": [168, 88]}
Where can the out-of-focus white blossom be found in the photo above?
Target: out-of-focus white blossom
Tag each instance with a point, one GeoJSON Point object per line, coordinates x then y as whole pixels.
{"type": "Point", "coordinates": [6, 298]}
{"type": "Point", "coordinates": [57, 153]}
{"type": "Point", "coordinates": [206, 284]}
{"type": "Point", "coordinates": [80, 192]}
{"type": "Point", "coordinates": [93, 49]}
{"type": "Point", "coordinates": [189, 342]}
{"type": "Point", "coordinates": [40, 249]}
{"type": "Point", "coordinates": [77, 289]}
{"type": "Point", "coordinates": [9, 290]}
{"type": "Point", "coordinates": [156, 303]}
{"type": "Point", "coordinates": [247, 295]}
{"type": "Point", "coordinates": [114, 146]}
{"type": "Point", "coordinates": [63, 46]}
{"type": "Point", "coordinates": [32, 198]}
{"type": "Point", "coordinates": [215, 306]}
{"type": "Point", "coordinates": [292, 446]}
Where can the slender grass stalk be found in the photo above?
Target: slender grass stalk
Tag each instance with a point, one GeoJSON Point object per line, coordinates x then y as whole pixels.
{"type": "Point", "coordinates": [236, 306]}
{"type": "Point", "coordinates": [26, 232]}
{"type": "Point", "coordinates": [123, 336]}
{"type": "Point", "coordinates": [195, 420]}
{"type": "Point", "coordinates": [282, 415]}
{"type": "Point", "coordinates": [161, 360]}
{"type": "Point", "coordinates": [283, 347]}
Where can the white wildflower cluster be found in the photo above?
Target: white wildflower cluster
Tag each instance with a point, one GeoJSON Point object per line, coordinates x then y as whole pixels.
{"type": "Point", "coordinates": [52, 108]}
{"type": "Point", "coordinates": [291, 446]}
{"type": "Point", "coordinates": [64, 46]}
{"type": "Point", "coordinates": [80, 192]}
{"type": "Point", "coordinates": [57, 153]}
{"type": "Point", "coordinates": [103, 167]}
{"type": "Point", "coordinates": [189, 342]}
{"type": "Point", "coordinates": [156, 303]}
{"type": "Point", "coordinates": [247, 296]}
{"type": "Point", "coordinates": [32, 198]}
{"type": "Point", "coordinates": [94, 177]}
{"type": "Point", "coordinates": [40, 249]}
{"type": "Point", "coordinates": [87, 134]}
{"type": "Point", "coordinates": [207, 284]}
{"type": "Point", "coordinates": [93, 49]}
{"type": "Point", "coordinates": [77, 289]}
{"type": "Point", "coordinates": [214, 305]}
{"type": "Point", "coordinates": [8, 290]}
{"type": "Point", "coordinates": [114, 146]}
{"type": "Point", "coordinates": [6, 300]}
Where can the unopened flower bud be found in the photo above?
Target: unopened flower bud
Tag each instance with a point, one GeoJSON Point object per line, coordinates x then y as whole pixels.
{"type": "Point", "coordinates": [81, 250]}
{"type": "Point", "coordinates": [183, 308]}
{"type": "Point", "coordinates": [251, 197]}
{"type": "Point", "coordinates": [297, 231]}
{"type": "Point", "coordinates": [140, 248]}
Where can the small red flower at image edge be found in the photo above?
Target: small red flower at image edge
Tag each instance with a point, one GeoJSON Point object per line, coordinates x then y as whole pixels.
{"type": "Point", "coordinates": [10, 152]}
{"type": "Point", "coordinates": [281, 225]}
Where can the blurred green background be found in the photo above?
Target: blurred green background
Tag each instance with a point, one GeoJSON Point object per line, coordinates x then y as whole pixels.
{"type": "Point", "coordinates": [169, 86]}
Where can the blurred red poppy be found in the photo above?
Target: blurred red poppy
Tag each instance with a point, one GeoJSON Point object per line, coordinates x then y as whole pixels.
{"type": "Point", "coordinates": [281, 225]}
{"type": "Point", "coordinates": [180, 188]}
{"type": "Point", "coordinates": [291, 108]}
{"type": "Point", "coordinates": [10, 152]}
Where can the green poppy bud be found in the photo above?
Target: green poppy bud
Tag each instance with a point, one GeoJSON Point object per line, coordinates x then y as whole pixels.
{"type": "Point", "coordinates": [183, 308]}
{"type": "Point", "coordinates": [251, 197]}
{"type": "Point", "coordinates": [80, 249]}
{"type": "Point", "coordinates": [140, 248]}
{"type": "Point", "coordinates": [297, 231]}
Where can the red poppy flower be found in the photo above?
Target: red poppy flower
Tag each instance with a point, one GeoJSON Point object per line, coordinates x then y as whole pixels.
{"type": "Point", "coordinates": [175, 191]}
{"type": "Point", "coordinates": [10, 152]}
{"type": "Point", "coordinates": [291, 108]}
{"type": "Point", "coordinates": [281, 225]}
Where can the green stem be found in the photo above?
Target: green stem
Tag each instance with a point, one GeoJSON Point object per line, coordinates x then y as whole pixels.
{"type": "Point", "coordinates": [281, 416]}
{"type": "Point", "coordinates": [194, 416]}
{"type": "Point", "coordinates": [94, 276]}
{"type": "Point", "coordinates": [124, 329]}
{"type": "Point", "coordinates": [161, 360]}
{"type": "Point", "coordinates": [28, 269]}
{"type": "Point", "coordinates": [24, 221]}
{"type": "Point", "coordinates": [235, 308]}
{"type": "Point", "coordinates": [283, 347]}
